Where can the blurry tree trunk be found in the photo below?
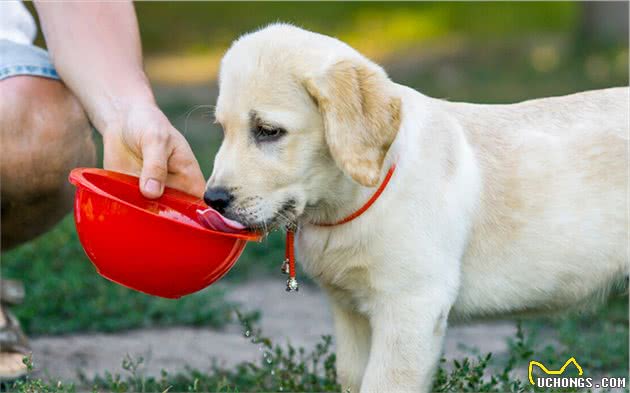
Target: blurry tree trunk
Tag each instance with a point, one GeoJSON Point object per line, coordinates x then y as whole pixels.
{"type": "Point", "coordinates": [604, 22]}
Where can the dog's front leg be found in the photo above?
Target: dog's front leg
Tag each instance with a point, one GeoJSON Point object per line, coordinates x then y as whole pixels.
{"type": "Point", "coordinates": [407, 333]}
{"type": "Point", "coordinates": [353, 337]}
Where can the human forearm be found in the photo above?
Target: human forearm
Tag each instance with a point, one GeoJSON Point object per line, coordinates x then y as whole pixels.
{"type": "Point", "coordinates": [96, 50]}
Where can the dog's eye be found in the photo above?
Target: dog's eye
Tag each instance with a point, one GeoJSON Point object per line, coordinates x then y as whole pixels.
{"type": "Point", "coordinates": [264, 133]}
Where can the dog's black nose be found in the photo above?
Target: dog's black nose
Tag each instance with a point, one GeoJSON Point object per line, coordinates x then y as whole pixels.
{"type": "Point", "coordinates": [218, 198]}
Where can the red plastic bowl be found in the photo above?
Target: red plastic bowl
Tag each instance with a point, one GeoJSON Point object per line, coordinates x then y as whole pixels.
{"type": "Point", "coordinates": [153, 246]}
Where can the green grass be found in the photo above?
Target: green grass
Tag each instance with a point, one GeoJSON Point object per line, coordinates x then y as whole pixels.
{"type": "Point", "coordinates": [279, 369]}
{"type": "Point", "coordinates": [599, 341]}
{"type": "Point", "coordinates": [507, 71]}
{"type": "Point", "coordinates": [290, 369]}
{"type": "Point", "coordinates": [392, 21]}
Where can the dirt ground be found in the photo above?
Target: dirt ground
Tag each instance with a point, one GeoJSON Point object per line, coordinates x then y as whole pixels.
{"type": "Point", "coordinates": [300, 318]}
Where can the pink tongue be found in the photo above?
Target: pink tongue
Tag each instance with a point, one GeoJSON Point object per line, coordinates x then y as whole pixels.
{"type": "Point", "coordinates": [215, 221]}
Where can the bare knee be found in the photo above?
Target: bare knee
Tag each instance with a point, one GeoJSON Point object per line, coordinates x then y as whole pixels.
{"type": "Point", "coordinates": [44, 134]}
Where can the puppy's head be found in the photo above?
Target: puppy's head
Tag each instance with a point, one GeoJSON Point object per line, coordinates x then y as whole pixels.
{"type": "Point", "coordinates": [299, 112]}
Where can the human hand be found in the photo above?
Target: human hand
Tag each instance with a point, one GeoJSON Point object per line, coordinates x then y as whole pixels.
{"type": "Point", "coordinates": [142, 141]}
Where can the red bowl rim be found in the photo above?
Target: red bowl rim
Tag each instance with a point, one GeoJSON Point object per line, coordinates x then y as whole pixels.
{"type": "Point", "coordinates": [78, 179]}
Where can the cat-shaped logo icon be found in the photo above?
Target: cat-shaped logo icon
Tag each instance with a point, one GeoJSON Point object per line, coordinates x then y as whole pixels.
{"type": "Point", "coordinates": [533, 363]}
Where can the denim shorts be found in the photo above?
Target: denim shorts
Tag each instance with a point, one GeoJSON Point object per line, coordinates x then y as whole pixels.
{"type": "Point", "coordinates": [21, 59]}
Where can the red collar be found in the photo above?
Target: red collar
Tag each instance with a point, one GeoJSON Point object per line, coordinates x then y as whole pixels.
{"type": "Point", "coordinates": [288, 267]}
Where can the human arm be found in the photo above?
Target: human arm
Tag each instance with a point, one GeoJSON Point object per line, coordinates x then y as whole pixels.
{"type": "Point", "coordinates": [96, 49]}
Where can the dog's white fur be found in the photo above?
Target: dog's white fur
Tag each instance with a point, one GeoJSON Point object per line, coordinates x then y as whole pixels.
{"type": "Point", "coordinates": [492, 209]}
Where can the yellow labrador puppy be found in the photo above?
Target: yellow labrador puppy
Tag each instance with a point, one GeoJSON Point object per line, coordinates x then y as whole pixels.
{"type": "Point", "coordinates": [491, 209]}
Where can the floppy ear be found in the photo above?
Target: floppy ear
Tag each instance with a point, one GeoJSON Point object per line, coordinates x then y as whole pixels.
{"type": "Point", "coordinates": [360, 118]}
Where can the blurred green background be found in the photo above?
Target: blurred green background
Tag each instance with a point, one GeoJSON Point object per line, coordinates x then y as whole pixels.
{"type": "Point", "coordinates": [497, 52]}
